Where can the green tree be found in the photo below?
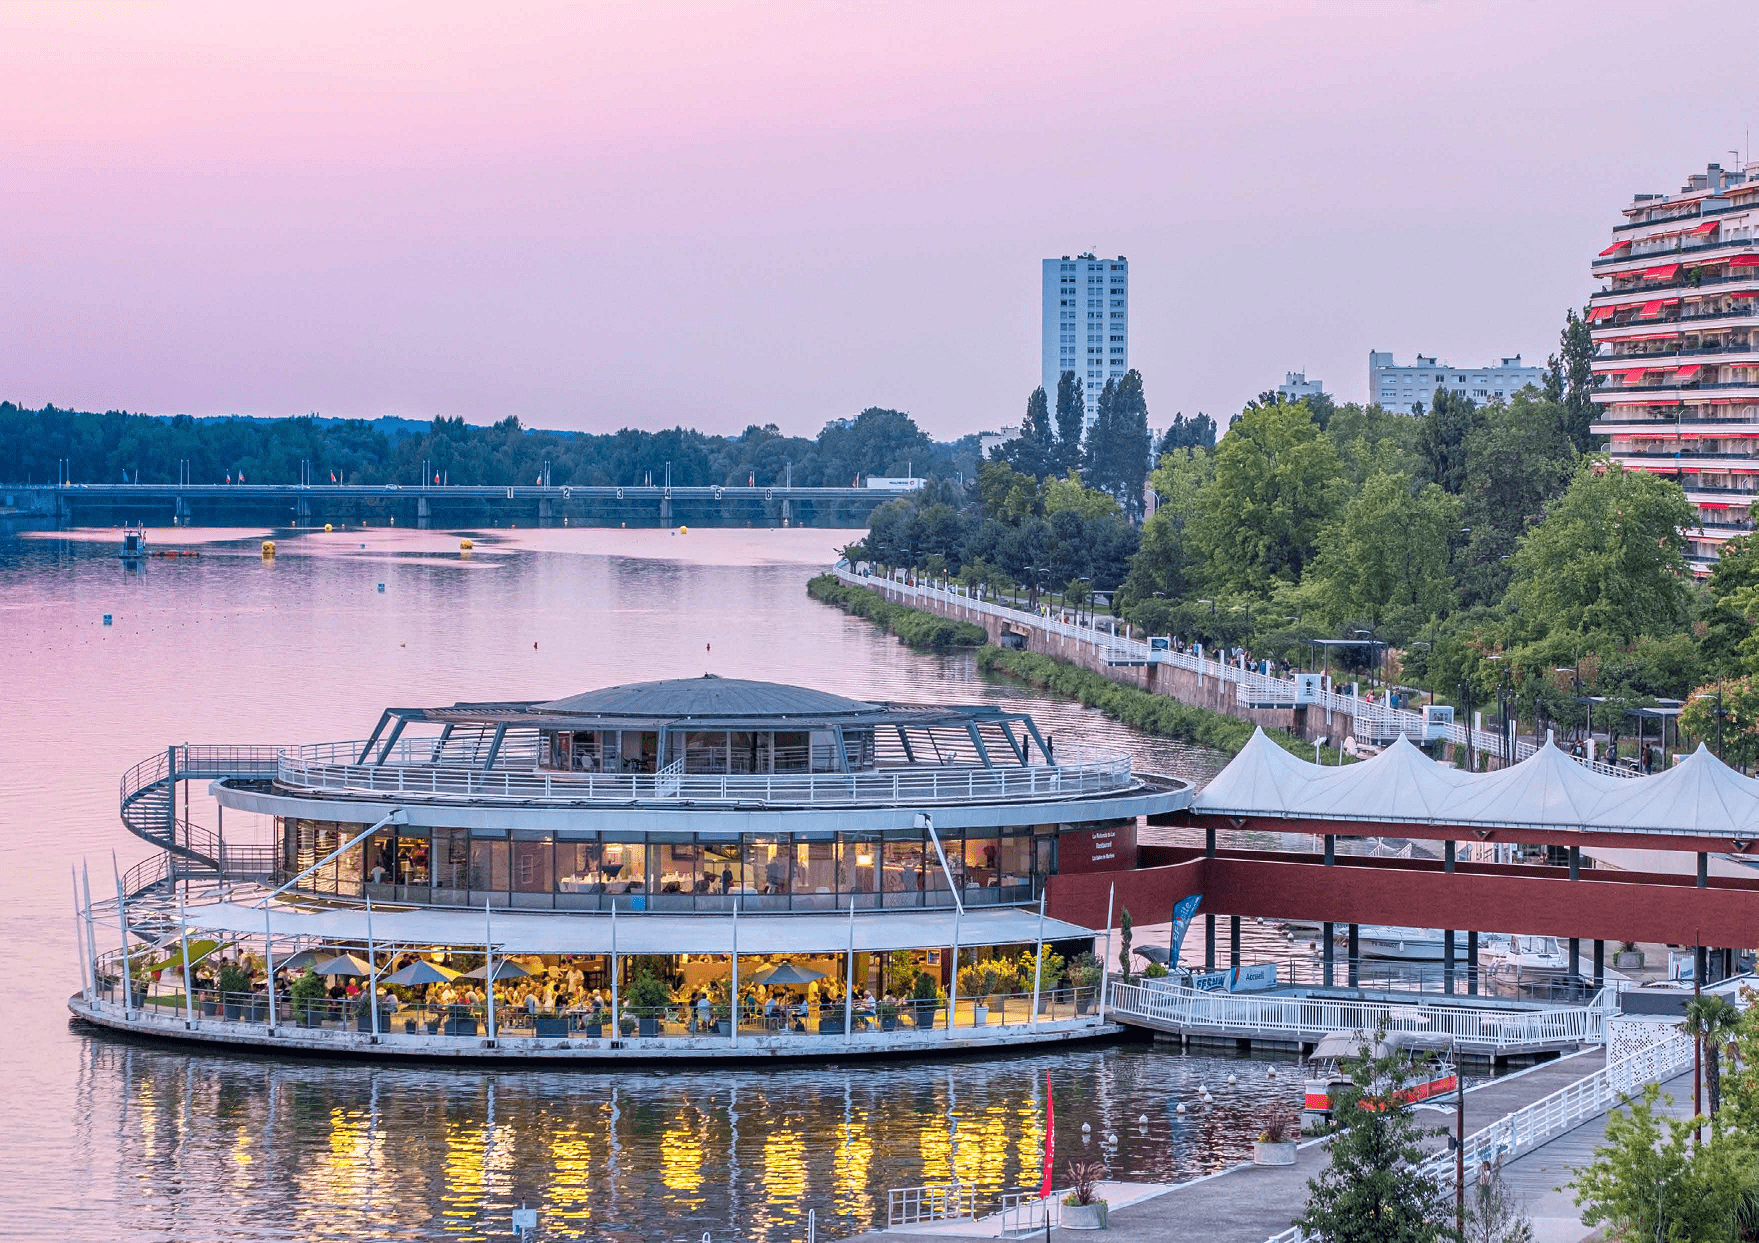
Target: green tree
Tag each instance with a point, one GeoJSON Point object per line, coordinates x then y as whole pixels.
{"type": "Point", "coordinates": [1441, 439]}
{"type": "Point", "coordinates": [1276, 485]}
{"type": "Point", "coordinates": [1607, 559]}
{"type": "Point", "coordinates": [1517, 460]}
{"type": "Point", "coordinates": [1386, 560]}
{"type": "Point", "coordinates": [1034, 450]}
{"type": "Point", "coordinates": [1570, 379]}
{"type": "Point", "coordinates": [1711, 1021]}
{"type": "Point", "coordinates": [1071, 420]}
{"type": "Point", "coordinates": [1071, 495]}
{"type": "Point", "coordinates": [1371, 1190]}
{"type": "Point", "coordinates": [1493, 1213]}
{"type": "Point", "coordinates": [1127, 444]}
{"type": "Point", "coordinates": [1724, 716]}
{"type": "Point", "coordinates": [1124, 927]}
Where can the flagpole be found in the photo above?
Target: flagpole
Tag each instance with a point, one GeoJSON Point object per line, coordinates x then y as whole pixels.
{"type": "Point", "coordinates": [616, 1018]}
{"type": "Point", "coordinates": [734, 1007]}
{"type": "Point", "coordinates": [849, 976]}
{"type": "Point", "coordinates": [122, 924]}
{"type": "Point", "coordinates": [188, 992]}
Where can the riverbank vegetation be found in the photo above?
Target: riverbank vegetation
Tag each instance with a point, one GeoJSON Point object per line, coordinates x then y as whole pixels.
{"type": "Point", "coordinates": [1484, 552]}
{"type": "Point", "coordinates": [912, 626]}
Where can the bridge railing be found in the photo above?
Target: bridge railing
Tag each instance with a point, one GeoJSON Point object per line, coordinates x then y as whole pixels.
{"type": "Point", "coordinates": [1372, 719]}
{"type": "Point", "coordinates": [1186, 1008]}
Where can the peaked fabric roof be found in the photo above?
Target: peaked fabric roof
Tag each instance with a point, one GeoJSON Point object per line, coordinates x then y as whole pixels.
{"type": "Point", "coordinates": [1698, 795]}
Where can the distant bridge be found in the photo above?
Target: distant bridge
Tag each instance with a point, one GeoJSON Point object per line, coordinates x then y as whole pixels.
{"type": "Point", "coordinates": [445, 504]}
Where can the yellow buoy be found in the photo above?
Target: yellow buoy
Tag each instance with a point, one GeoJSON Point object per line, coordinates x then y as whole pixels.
{"type": "Point", "coordinates": [268, 550]}
{"type": "Point", "coordinates": [465, 545]}
{"type": "Point", "coordinates": [684, 530]}
{"type": "Point", "coordinates": [328, 528]}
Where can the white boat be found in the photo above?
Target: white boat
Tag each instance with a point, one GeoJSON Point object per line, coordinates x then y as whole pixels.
{"type": "Point", "coordinates": [1532, 959]}
{"type": "Point", "coordinates": [1393, 941]}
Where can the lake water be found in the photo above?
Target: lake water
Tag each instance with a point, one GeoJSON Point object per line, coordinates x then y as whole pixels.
{"type": "Point", "coordinates": [105, 1138]}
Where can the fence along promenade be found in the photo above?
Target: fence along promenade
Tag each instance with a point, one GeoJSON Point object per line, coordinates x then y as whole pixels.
{"type": "Point", "coordinates": [1372, 719]}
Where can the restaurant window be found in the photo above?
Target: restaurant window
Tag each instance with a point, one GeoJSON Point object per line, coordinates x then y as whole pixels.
{"type": "Point", "coordinates": [624, 866]}
{"type": "Point", "coordinates": [858, 746]}
{"type": "Point", "coordinates": [769, 864]}
{"type": "Point", "coordinates": [824, 752]}
{"type": "Point", "coordinates": [815, 872]}
{"type": "Point", "coordinates": [577, 865]}
{"type": "Point", "coordinates": [722, 867]}
{"type": "Point", "coordinates": [412, 860]}
{"type": "Point", "coordinates": [1016, 866]}
{"type": "Point", "coordinates": [534, 866]}
{"type": "Point", "coordinates": [488, 865]}
{"type": "Point", "coordinates": [381, 858]}
{"type": "Point", "coordinates": [749, 751]}
{"type": "Point", "coordinates": [676, 867]}
{"type": "Point", "coordinates": [705, 751]}
{"type": "Point", "coordinates": [451, 859]}
{"type": "Point", "coordinates": [858, 865]}
{"type": "Point", "coordinates": [901, 871]}
{"type": "Point", "coordinates": [638, 751]}
{"type": "Point", "coordinates": [982, 860]}
{"type": "Point", "coordinates": [793, 752]}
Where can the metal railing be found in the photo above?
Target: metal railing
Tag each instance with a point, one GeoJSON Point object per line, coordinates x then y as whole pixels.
{"type": "Point", "coordinates": [1093, 772]}
{"type": "Point", "coordinates": [1550, 1116]}
{"type": "Point", "coordinates": [1373, 720]}
{"type": "Point", "coordinates": [1311, 1016]}
{"type": "Point", "coordinates": [911, 1206]}
{"type": "Point", "coordinates": [1025, 1211]}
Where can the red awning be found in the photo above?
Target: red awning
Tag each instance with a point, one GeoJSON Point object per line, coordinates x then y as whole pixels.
{"type": "Point", "coordinates": [1666, 272]}
{"type": "Point", "coordinates": [1619, 245]}
{"type": "Point", "coordinates": [1596, 314]}
{"type": "Point", "coordinates": [1649, 309]}
{"type": "Point", "coordinates": [1706, 227]}
{"type": "Point", "coordinates": [1687, 373]}
{"type": "Point", "coordinates": [1744, 261]}
{"type": "Point", "coordinates": [1634, 377]}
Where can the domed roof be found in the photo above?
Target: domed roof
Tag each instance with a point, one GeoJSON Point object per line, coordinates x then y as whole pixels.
{"type": "Point", "coordinates": [708, 697]}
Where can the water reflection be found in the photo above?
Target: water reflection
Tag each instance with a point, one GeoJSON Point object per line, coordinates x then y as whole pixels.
{"type": "Point", "coordinates": [222, 1147]}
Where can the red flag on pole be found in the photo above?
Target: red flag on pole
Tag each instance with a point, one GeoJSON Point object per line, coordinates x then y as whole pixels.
{"type": "Point", "coordinates": [1050, 1138]}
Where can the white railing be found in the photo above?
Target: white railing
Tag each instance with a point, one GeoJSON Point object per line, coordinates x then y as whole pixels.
{"type": "Point", "coordinates": [1024, 1211]}
{"type": "Point", "coordinates": [1094, 772]}
{"type": "Point", "coordinates": [1372, 719]}
{"type": "Point", "coordinates": [1550, 1116]}
{"type": "Point", "coordinates": [910, 1206]}
{"type": "Point", "coordinates": [1311, 1017]}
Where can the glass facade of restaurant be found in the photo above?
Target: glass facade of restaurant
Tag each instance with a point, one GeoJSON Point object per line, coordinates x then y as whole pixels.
{"type": "Point", "coordinates": [894, 869]}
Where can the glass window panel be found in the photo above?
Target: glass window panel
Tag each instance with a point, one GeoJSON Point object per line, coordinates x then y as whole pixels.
{"type": "Point", "coordinates": [534, 866]}
{"type": "Point", "coordinates": [793, 752]}
{"type": "Point", "coordinates": [982, 860]}
{"type": "Point", "coordinates": [488, 865]}
{"type": "Point", "coordinates": [769, 864]}
{"type": "Point", "coordinates": [451, 859]}
{"type": "Point", "coordinates": [705, 751]}
{"type": "Point", "coordinates": [902, 871]}
{"type": "Point", "coordinates": [722, 867]}
{"type": "Point", "coordinates": [412, 860]}
{"type": "Point", "coordinates": [858, 868]}
{"type": "Point", "coordinates": [677, 868]}
{"type": "Point", "coordinates": [748, 752]}
{"type": "Point", "coordinates": [815, 867]}
{"type": "Point", "coordinates": [576, 866]}
{"type": "Point", "coordinates": [624, 865]}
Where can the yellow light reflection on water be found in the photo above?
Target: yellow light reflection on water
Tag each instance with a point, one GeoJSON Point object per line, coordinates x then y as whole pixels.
{"type": "Point", "coordinates": [462, 1195]}
{"type": "Point", "coordinates": [571, 1192]}
{"type": "Point", "coordinates": [241, 1147]}
{"type": "Point", "coordinates": [681, 1154]}
{"type": "Point", "coordinates": [854, 1156]}
{"type": "Point", "coordinates": [784, 1164]}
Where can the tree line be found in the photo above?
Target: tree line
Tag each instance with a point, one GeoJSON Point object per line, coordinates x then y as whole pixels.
{"type": "Point", "coordinates": [117, 446]}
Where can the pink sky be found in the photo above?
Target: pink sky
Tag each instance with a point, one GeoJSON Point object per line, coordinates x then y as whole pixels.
{"type": "Point", "coordinates": [641, 214]}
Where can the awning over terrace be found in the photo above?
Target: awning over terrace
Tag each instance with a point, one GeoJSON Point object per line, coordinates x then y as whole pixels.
{"type": "Point", "coordinates": [1700, 795]}
{"type": "Point", "coordinates": [522, 932]}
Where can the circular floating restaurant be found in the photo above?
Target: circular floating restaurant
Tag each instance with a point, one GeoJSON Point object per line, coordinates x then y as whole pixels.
{"type": "Point", "coordinates": [683, 868]}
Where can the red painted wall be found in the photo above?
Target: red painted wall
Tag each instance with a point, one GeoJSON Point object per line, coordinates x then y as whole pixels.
{"type": "Point", "coordinates": [1610, 906]}
{"type": "Point", "coordinates": [1097, 850]}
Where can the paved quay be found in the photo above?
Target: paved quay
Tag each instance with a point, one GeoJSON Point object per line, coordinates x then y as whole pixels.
{"type": "Point", "coordinates": [1248, 1203]}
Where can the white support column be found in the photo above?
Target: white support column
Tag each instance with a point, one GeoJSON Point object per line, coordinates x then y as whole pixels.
{"type": "Point", "coordinates": [953, 975]}
{"type": "Point", "coordinates": [122, 925]}
{"type": "Point", "coordinates": [849, 976]}
{"type": "Point", "coordinates": [489, 966]}
{"type": "Point", "coordinates": [1105, 973]}
{"type": "Point", "coordinates": [616, 1014]}
{"type": "Point", "coordinates": [269, 964]}
{"type": "Point", "coordinates": [85, 884]}
{"type": "Point", "coordinates": [1037, 963]}
{"type": "Point", "coordinates": [372, 969]}
{"type": "Point", "coordinates": [79, 940]}
{"type": "Point", "coordinates": [183, 938]}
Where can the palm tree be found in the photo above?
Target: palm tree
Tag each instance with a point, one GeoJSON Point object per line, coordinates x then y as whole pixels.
{"type": "Point", "coordinates": [1711, 1020]}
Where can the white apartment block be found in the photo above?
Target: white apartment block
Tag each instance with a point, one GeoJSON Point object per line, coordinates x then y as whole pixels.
{"type": "Point", "coordinates": [1297, 387]}
{"type": "Point", "coordinates": [1086, 324]}
{"type": "Point", "coordinates": [1400, 388]}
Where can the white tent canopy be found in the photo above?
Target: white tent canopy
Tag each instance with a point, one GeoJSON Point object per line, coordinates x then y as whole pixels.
{"type": "Point", "coordinates": [526, 932]}
{"type": "Point", "coordinates": [1548, 790]}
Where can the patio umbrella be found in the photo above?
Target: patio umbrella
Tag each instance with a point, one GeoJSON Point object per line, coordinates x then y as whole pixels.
{"type": "Point", "coordinates": [421, 971]}
{"type": "Point", "coordinates": [301, 960]}
{"type": "Point", "coordinates": [343, 964]}
{"type": "Point", "coordinates": [1156, 954]}
{"type": "Point", "coordinates": [787, 973]}
{"type": "Point", "coordinates": [505, 969]}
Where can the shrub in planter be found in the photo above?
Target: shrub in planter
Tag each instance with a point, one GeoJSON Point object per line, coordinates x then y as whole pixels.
{"type": "Point", "coordinates": [234, 983]}
{"type": "Point", "coordinates": [888, 1016]}
{"type": "Point", "coordinates": [1276, 1142]}
{"type": "Point", "coordinates": [648, 995]}
{"type": "Point", "coordinates": [627, 1025]}
{"type": "Point", "coordinates": [1082, 1208]}
{"type": "Point", "coordinates": [308, 995]}
{"type": "Point", "coordinates": [1084, 974]}
{"type": "Point", "coordinates": [925, 999]}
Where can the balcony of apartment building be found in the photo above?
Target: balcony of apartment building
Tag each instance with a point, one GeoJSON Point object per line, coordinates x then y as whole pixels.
{"type": "Point", "coordinates": [1632, 256]}
{"type": "Point", "coordinates": [1677, 384]}
{"type": "Point", "coordinates": [1660, 281]}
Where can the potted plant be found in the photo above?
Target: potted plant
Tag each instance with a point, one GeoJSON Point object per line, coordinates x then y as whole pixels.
{"type": "Point", "coordinates": [1050, 969]}
{"type": "Point", "coordinates": [234, 985]}
{"type": "Point", "coordinates": [363, 1011]}
{"type": "Point", "coordinates": [1084, 976]}
{"type": "Point", "coordinates": [308, 993]}
{"type": "Point", "coordinates": [627, 1025]}
{"type": "Point", "coordinates": [1627, 955]}
{"type": "Point", "coordinates": [888, 1016]}
{"type": "Point", "coordinates": [1275, 1146]}
{"type": "Point", "coordinates": [648, 995]}
{"type": "Point", "coordinates": [830, 1021]}
{"type": "Point", "coordinates": [1082, 1207]}
{"type": "Point", "coordinates": [925, 999]}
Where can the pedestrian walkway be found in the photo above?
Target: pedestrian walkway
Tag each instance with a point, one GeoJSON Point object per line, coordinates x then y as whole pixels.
{"type": "Point", "coordinates": [1250, 1204]}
